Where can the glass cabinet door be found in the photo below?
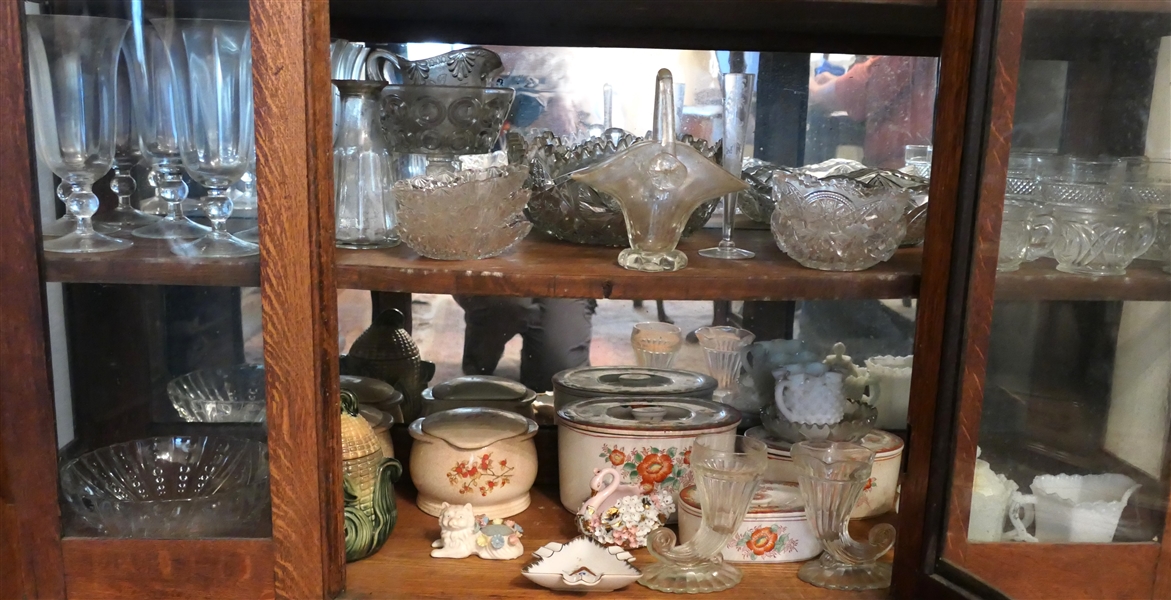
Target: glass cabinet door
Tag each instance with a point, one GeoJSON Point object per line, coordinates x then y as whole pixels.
{"type": "Point", "coordinates": [1061, 459]}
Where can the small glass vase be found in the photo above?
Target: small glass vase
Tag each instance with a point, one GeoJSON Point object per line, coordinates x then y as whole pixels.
{"type": "Point", "coordinates": [363, 200]}
{"type": "Point", "coordinates": [831, 476]}
{"type": "Point", "coordinates": [726, 471]}
{"type": "Point", "coordinates": [656, 344]}
{"type": "Point", "coordinates": [737, 109]}
{"type": "Point", "coordinates": [722, 347]}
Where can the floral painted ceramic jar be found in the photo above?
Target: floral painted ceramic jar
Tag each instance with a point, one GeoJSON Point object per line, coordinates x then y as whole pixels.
{"type": "Point", "coordinates": [644, 382]}
{"type": "Point", "coordinates": [482, 456]}
{"type": "Point", "coordinates": [775, 529]}
{"type": "Point", "coordinates": [648, 440]}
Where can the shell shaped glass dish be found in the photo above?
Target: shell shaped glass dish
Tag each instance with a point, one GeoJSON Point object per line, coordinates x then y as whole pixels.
{"type": "Point", "coordinates": [172, 488]}
{"type": "Point", "coordinates": [228, 395]}
{"type": "Point", "coordinates": [466, 215]}
{"type": "Point", "coordinates": [438, 120]}
{"type": "Point", "coordinates": [581, 565]}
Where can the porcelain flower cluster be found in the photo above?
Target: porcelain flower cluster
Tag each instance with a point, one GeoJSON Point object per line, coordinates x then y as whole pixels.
{"type": "Point", "coordinates": [628, 522]}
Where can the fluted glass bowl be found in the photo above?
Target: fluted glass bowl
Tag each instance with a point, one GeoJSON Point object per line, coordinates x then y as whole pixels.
{"type": "Point", "coordinates": [171, 487]}
{"type": "Point", "coordinates": [858, 421]}
{"type": "Point", "coordinates": [228, 395]}
{"type": "Point", "coordinates": [465, 215]}
{"type": "Point", "coordinates": [837, 223]}
{"type": "Point", "coordinates": [571, 210]}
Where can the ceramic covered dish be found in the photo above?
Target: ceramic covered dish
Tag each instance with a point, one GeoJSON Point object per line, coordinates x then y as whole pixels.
{"type": "Point", "coordinates": [774, 530]}
{"type": "Point", "coordinates": [647, 439]}
{"type": "Point", "coordinates": [479, 456]}
{"type": "Point", "coordinates": [582, 565]}
{"type": "Point", "coordinates": [479, 390]}
{"type": "Point", "coordinates": [375, 393]}
{"type": "Point", "coordinates": [645, 382]}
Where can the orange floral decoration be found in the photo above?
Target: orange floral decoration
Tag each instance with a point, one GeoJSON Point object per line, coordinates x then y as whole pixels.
{"type": "Point", "coordinates": [617, 458]}
{"type": "Point", "coordinates": [762, 541]}
{"type": "Point", "coordinates": [654, 468]}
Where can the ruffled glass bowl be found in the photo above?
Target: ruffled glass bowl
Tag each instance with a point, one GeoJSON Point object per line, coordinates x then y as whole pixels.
{"type": "Point", "coordinates": [572, 211]}
{"type": "Point", "coordinates": [229, 395]}
{"type": "Point", "coordinates": [171, 487]}
{"type": "Point", "coordinates": [464, 215]}
{"type": "Point", "coordinates": [859, 420]}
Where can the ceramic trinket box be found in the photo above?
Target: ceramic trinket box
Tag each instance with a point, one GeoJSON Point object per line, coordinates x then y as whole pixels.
{"type": "Point", "coordinates": [463, 533]}
{"type": "Point", "coordinates": [775, 529]}
{"type": "Point", "coordinates": [582, 565]}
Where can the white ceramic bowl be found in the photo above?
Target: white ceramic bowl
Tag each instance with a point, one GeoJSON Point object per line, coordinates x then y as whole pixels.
{"type": "Point", "coordinates": [775, 529]}
{"type": "Point", "coordinates": [652, 448]}
{"type": "Point", "coordinates": [481, 456]}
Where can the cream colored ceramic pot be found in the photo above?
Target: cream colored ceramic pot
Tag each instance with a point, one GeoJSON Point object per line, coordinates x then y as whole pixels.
{"type": "Point", "coordinates": [647, 439]}
{"type": "Point", "coordinates": [481, 456]}
{"type": "Point", "coordinates": [775, 529]}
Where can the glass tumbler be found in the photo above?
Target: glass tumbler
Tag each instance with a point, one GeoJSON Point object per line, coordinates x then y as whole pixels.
{"type": "Point", "coordinates": [917, 160]}
{"type": "Point", "coordinates": [656, 344]}
{"type": "Point", "coordinates": [721, 347]}
{"type": "Point", "coordinates": [363, 201]}
{"type": "Point", "coordinates": [1099, 240]}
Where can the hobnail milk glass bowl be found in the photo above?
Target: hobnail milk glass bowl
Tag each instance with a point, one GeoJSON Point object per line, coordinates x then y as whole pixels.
{"type": "Point", "coordinates": [170, 487]}
{"type": "Point", "coordinates": [465, 215]}
{"type": "Point", "coordinates": [230, 395]}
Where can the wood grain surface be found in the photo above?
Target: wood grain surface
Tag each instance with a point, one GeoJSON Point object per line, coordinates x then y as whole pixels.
{"type": "Point", "coordinates": [151, 262]}
{"type": "Point", "coordinates": [1067, 571]}
{"type": "Point", "coordinates": [27, 430]}
{"type": "Point", "coordinates": [298, 292]}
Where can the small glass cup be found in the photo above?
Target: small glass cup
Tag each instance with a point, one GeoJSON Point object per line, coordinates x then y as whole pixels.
{"type": "Point", "coordinates": [1146, 183]}
{"type": "Point", "coordinates": [1083, 181]}
{"type": "Point", "coordinates": [1098, 240]}
{"type": "Point", "coordinates": [656, 344]}
{"type": "Point", "coordinates": [1020, 232]}
{"type": "Point", "coordinates": [1026, 169]}
{"type": "Point", "coordinates": [722, 346]}
{"type": "Point", "coordinates": [918, 160]}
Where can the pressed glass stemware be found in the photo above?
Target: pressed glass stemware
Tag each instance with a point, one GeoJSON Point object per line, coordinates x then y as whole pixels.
{"type": "Point", "coordinates": [721, 347]}
{"type": "Point", "coordinates": [726, 473]}
{"type": "Point", "coordinates": [213, 65]}
{"type": "Point", "coordinates": [831, 476]}
{"type": "Point", "coordinates": [73, 70]}
{"type": "Point", "coordinates": [126, 152]}
{"type": "Point", "coordinates": [656, 344]}
{"type": "Point", "coordinates": [737, 109]}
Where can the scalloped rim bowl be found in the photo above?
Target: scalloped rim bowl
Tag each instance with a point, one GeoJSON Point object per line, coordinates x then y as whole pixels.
{"type": "Point", "coordinates": [859, 420]}
{"type": "Point", "coordinates": [227, 395]}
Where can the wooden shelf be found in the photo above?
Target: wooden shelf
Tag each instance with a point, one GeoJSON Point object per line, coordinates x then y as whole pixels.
{"type": "Point", "coordinates": [403, 568]}
{"type": "Point", "coordinates": [1040, 280]}
{"type": "Point", "coordinates": [151, 262]}
{"type": "Point", "coordinates": [541, 266]}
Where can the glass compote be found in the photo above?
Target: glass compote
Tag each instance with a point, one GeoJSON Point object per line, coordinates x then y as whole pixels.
{"type": "Point", "coordinates": [726, 473]}
{"type": "Point", "coordinates": [126, 152]}
{"type": "Point", "coordinates": [73, 71]}
{"type": "Point", "coordinates": [722, 346]}
{"type": "Point", "coordinates": [213, 63]}
{"type": "Point", "coordinates": [158, 105]}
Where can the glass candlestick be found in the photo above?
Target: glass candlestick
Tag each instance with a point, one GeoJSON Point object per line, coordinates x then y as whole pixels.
{"type": "Point", "coordinates": [831, 476]}
{"type": "Point", "coordinates": [721, 347]}
{"type": "Point", "coordinates": [726, 473]}
{"type": "Point", "coordinates": [737, 110]}
{"type": "Point", "coordinates": [656, 344]}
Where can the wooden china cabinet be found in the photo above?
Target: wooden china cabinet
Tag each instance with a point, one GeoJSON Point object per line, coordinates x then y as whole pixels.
{"type": "Point", "coordinates": [89, 342]}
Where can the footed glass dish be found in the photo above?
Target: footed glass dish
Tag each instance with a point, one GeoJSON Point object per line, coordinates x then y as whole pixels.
{"type": "Point", "coordinates": [859, 419]}
{"type": "Point", "coordinates": [231, 395]}
{"type": "Point", "coordinates": [181, 487]}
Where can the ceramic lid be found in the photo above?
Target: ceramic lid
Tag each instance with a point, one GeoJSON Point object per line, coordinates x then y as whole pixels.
{"type": "Point", "coordinates": [473, 428]}
{"type": "Point", "coordinates": [368, 390]}
{"type": "Point", "coordinates": [480, 387]}
{"type": "Point", "coordinates": [650, 414]}
{"type": "Point", "coordinates": [882, 443]}
{"type": "Point", "coordinates": [770, 498]}
{"type": "Point", "coordinates": [378, 420]}
{"type": "Point", "coordinates": [775, 445]}
{"type": "Point", "coordinates": [630, 381]}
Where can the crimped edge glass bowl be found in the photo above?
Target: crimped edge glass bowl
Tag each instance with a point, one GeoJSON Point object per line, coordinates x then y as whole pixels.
{"type": "Point", "coordinates": [225, 395]}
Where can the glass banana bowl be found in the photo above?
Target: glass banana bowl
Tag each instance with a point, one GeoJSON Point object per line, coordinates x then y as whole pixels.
{"type": "Point", "coordinates": [227, 395]}
{"type": "Point", "coordinates": [179, 487]}
{"type": "Point", "coordinates": [465, 215]}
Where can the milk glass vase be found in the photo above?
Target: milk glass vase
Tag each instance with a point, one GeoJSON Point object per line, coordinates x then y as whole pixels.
{"type": "Point", "coordinates": [363, 200]}
{"type": "Point", "coordinates": [726, 472]}
{"type": "Point", "coordinates": [831, 476]}
{"type": "Point", "coordinates": [73, 73]}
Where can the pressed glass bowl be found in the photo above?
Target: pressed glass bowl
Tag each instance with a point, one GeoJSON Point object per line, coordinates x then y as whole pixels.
{"type": "Point", "coordinates": [171, 487]}
{"type": "Point", "coordinates": [858, 421]}
{"type": "Point", "coordinates": [229, 395]}
{"type": "Point", "coordinates": [442, 120]}
{"type": "Point", "coordinates": [464, 215]}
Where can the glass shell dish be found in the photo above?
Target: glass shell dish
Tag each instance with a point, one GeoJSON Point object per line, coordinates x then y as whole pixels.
{"type": "Point", "coordinates": [229, 395]}
{"type": "Point", "coordinates": [171, 488]}
{"type": "Point", "coordinates": [837, 223]}
{"type": "Point", "coordinates": [858, 421]}
{"type": "Point", "coordinates": [439, 120]}
{"type": "Point", "coordinates": [572, 211]}
{"type": "Point", "coordinates": [464, 215]}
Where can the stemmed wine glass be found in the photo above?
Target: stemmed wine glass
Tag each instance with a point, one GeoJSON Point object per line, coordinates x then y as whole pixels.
{"type": "Point", "coordinates": [244, 195]}
{"type": "Point", "coordinates": [73, 71]}
{"type": "Point", "coordinates": [213, 64]}
{"type": "Point", "coordinates": [158, 106]}
{"type": "Point", "coordinates": [126, 152]}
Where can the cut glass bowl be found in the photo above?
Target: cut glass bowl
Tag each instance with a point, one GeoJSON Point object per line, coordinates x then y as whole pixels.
{"type": "Point", "coordinates": [171, 487]}
{"type": "Point", "coordinates": [228, 395]}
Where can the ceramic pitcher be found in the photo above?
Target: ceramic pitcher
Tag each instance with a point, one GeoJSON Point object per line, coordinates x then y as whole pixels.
{"type": "Point", "coordinates": [889, 379]}
{"type": "Point", "coordinates": [1072, 508]}
{"type": "Point", "coordinates": [810, 393]}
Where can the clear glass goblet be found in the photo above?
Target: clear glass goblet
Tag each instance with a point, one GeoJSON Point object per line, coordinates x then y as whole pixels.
{"type": "Point", "coordinates": [244, 197]}
{"type": "Point", "coordinates": [158, 104]}
{"type": "Point", "coordinates": [126, 152]}
{"type": "Point", "coordinates": [727, 470]}
{"type": "Point", "coordinates": [213, 63]}
{"type": "Point", "coordinates": [68, 223]}
{"type": "Point", "coordinates": [656, 344]}
{"type": "Point", "coordinates": [721, 347]}
{"type": "Point", "coordinates": [831, 476]}
{"type": "Point", "coordinates": [73, 72]}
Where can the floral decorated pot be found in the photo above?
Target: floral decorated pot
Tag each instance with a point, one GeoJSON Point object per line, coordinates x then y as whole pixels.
{"type": "Point", "coordinates": [774, 530]}
{"type": "Point", "coordinates": [648, 440]}
{"type": "Point", "coordinates": [479, 456]}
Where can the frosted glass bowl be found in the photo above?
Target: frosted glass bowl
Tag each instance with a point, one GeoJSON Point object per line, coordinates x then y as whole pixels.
{"type": "Point", "coordinates": [171, 487]}
{"type": "Point", "coordinates": [464, 215]}
{"type": "Point", "coordinates": [228, 395]}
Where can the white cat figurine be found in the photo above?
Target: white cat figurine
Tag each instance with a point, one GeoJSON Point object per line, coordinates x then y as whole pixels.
{"type": "Point", "coordinates": [463, 533]}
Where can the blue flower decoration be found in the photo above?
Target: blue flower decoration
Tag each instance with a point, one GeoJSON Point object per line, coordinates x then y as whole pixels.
{"type": "Point", "coordinates": [518, 528]}
{"type": "Point", "coordinates": [497, 542]}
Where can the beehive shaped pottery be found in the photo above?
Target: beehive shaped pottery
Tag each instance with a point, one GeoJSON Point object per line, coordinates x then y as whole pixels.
{"type": "Point", "coordinates": [386, 351]}
{"type": "Point", "coordinates": [369, 478]}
